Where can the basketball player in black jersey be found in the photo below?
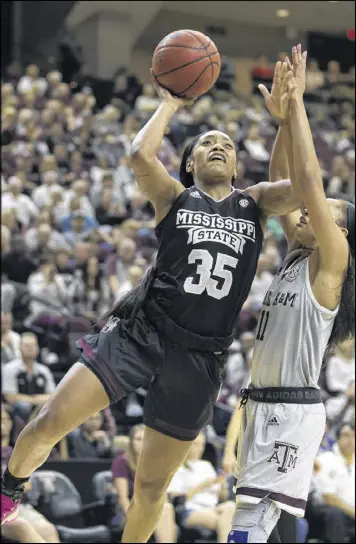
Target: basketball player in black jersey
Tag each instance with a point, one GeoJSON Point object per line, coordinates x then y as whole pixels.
{"type": "Point", "coordinates": [170, 334]}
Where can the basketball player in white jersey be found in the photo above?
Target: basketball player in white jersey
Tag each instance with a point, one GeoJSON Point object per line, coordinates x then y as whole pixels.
{"type": "Point", "coordinates": [309, 308]}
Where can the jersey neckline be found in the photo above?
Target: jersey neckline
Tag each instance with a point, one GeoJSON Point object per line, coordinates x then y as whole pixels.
{"type": "Point", "coordinates": [233, 190]}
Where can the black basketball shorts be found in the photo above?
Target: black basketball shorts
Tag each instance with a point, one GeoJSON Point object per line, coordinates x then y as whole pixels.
{"type": "Point", "coordinates": [183, 385]}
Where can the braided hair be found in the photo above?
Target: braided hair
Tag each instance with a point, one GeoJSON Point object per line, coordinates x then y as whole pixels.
{"type": "Point", "coordinates": [185, 177]}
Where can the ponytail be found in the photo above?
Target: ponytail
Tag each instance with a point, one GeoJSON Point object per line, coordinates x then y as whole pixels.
{"type": "Point", "coordinates": [344, 324]}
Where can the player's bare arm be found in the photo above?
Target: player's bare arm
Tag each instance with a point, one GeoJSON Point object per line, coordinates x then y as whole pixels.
{"type": "Point", "coordinates": [279, 198]}
{"type": "Point", "coordinates": [151, 176]}
{"type": "Point", "coordinates": [329, 262]}
{"type": "Point", "coordinates": [282, 167]}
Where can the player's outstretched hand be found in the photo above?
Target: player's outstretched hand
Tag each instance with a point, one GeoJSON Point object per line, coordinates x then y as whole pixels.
{"type": "Point", "coordinates": [283, 87]}
{"type": "Point", "coordinates": [298, 68]}
{"type": "Point", "coordinates": [168, 97]}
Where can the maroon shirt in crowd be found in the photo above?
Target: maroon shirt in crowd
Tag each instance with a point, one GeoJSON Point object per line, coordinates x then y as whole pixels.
{"type": "Point", "coordinates": [120, 469]}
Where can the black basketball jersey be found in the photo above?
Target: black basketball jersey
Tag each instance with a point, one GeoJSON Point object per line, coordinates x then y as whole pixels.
{"type": "Point", "coordinates": [206, 261]}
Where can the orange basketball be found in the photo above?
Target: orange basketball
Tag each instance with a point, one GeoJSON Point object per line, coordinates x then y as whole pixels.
{"type": "Point", "coordinates": [187, 63]}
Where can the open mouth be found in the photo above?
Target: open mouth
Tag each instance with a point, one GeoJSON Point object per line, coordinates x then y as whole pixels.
{"type": "Point", "coordinates": [217, 157]}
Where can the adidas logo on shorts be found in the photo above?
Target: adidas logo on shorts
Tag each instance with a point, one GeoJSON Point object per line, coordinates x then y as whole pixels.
{"type": "Point", "coordinates": [195, 194]}
{"type": "Point", "coordinates": [273, 421]}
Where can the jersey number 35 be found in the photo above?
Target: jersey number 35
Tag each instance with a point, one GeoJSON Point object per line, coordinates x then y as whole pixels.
{"type": "Point", "coordinates": [206, 272]}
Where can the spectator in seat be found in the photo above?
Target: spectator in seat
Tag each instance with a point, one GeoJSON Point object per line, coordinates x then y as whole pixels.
{"type": "Point", "coordinates": [134, 275]}
{"type": "Point", "coordinates": [197, 481]}
{"type": "Point", "coordinates": [79, 228]}
{"type": "Point", "coordinates": [43, 239]}
{"type": "Point", "coordinates": [17, 265]}
{"type": "Point", "coordinates": [123, 473]}
{"type": "Point", "coordinates": [24, 207]}
{"type": "Point", "coordinates": [32, 79]}
{"type": "Point", "coordinates": [340, 368]}
{"type": "Point", "coordinates": [79, 189]}
{"type": "Point", "coordinates": [118, 264]}
{"type": "Point", "coordinates": [255, 145]}
{"type": "Point", "coordinates": [262, 69]}
{"type": "Point", "coordinates": [41, 195]}
{"type": "Point", "coordinates": [48, 285]}
{"type": "Point", "coordinates": [90, 441]}
{"type": "Point", "coordinates": [333, 73]}
{"type": "Point", "coordinates": [332, 517]}
{"type": "Point", "coordinates": [25, 382]}
{"type": "Point", "coordinates": [10, 340]}
{"type": "Point", "coordinates": [315, 78]}
{"type": "Point", "coordinates": [30, 526]}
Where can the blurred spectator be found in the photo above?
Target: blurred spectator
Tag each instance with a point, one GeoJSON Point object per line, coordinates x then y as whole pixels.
{"type": "Point", "coordinates": [32, 81]}
{"type": "Point", "coordinates": [88, 293]}
{"type": "Point", "coordinates": [49, 286]}
{"type": "Point", "coordinates": [198, 483]}
{"type": "Point", "coordinates": [340, 369]}
{"type": "Point", "coordinates": [25, 382]}
{"type": "Point", "coordinates": [147, 103]}
{"type": "Point", "coordinates": [315, 79]}
{"type": "Point", "coordinates": [123, 472]}
{"type": "Point", "coordinates": [255, 145]}
{"type": "Point", "coordinates": [10, 340]}
{"type": "Point", "coordinates": [332, 515]}
{"type": "Point", "coordinates": [16, 264]}
{"type": "Point", "coordinates": [79, 228]}
{"type": "Point", "coordinates": [262, 69]}
{"type": "Point", "coordinates": [119, 263]}
{"type": "Point", "coordinates": [42, 195]}
{"type": "Point", "coordinates": [90, 441]}
{"type": "Point", "coordinates": [135, 274]}
{"type": "Point", "coordinates": [24, 207]}
{"type": "Point", "coordinates": [43, 240]}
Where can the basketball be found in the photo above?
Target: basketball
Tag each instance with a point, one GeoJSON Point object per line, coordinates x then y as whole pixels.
{"type": "Point", "coordinates": [186, 63]}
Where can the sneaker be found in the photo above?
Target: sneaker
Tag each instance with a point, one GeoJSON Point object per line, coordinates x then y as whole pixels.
{"type": "Point", "coordinates": [9, 509]}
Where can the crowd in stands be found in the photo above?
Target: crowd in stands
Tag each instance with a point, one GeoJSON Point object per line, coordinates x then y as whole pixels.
{"type": "Point", "coordinates": [76, 233]}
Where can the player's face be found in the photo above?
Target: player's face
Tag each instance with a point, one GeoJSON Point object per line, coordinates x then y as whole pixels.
{"type": "Point", "coordinates": [214, 158]}
{"type": "Point", "coordinates": [305, 234]}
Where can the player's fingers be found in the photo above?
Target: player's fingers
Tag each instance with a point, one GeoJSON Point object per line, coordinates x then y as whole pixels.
{"type": "Point", "coordinates": [290, 67]}
{"type": "Point", "coordinates": [299, 51]}
{"type": "Point", "coordinates": [277, 72]}
{"type": "Point", "coordinates": [295, 56]}
{"type": "Point", "coordinates": [264, 91]}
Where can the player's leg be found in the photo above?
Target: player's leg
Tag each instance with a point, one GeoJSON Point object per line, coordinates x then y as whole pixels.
{"type": "Point", "coordinates": [254, 522]}
{"type": "Point", "coordinates": [21, 530]}
{"type": "Point", "coordinates": [79, 395]}
{"type": "Point", "coordinates": [166, 530]}
{"type": "Point", "coordinates": [160, 458]}
{"type": "Point", "coordinates": [225, 513]}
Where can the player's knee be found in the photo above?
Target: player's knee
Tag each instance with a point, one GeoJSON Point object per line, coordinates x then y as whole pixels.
{"type": "Point", "coordinates": [253, 522]}
{"type": "Point", "coordinates": [48, 425]}
{"type": "Point", "coordinates": [150, 490]}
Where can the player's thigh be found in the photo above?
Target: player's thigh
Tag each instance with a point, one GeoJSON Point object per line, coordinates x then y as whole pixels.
{"type": "Point", "coordinates": [79, 395]}
{"type": "Point", "coordinates": [180, 400]}
{"type": "Point", "coordinates": [160, 457]}
{"type": "Point", "coordinates": [254, 522]}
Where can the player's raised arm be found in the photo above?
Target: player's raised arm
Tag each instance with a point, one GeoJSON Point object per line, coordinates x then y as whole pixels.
{"type": "Point", "coordinates": [330, 238]}
{"type": "Point", "coordinates": [151, 176]}
{"type": "Point", "coordinates": [279, 198]}
{"type": "Point", "coordinates": [282, 167]}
